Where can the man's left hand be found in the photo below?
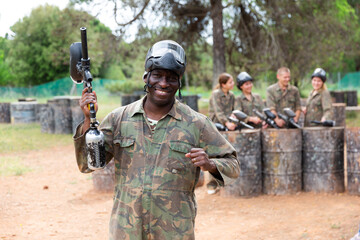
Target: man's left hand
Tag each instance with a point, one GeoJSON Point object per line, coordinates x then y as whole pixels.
{"type": "Point", "coordinates": [200, 159]}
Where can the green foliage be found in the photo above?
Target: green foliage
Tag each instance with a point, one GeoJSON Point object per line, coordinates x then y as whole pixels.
{"type": "Point", "coordinates": [5, 75]}
{"type": "Point", "coordinates": [125, 87]}
{"type": "Point", "coordinates": [39, 51]}
{"type": "Point", "coordinates": [26, 137]}
{"type": "Point", "coordinates": [114, 72]}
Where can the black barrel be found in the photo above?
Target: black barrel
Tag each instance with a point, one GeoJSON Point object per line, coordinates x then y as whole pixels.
{"type": "Point", "coordinates": [323, 159]}
{"type": "Point", "coordinates": [281, 161]}
{"type": "Point", "coordinates": [353, 160]}
{"type": "Point", "coordinates": [191, 101]}
{"type": "Point", "coordinates": [127, 99]}
{"type": "Point", "coordinates": [337, 96]}
{"type": "Point", "coordinates": [47, 121]}
{"type": "Point", "coordinates": [351, 98]}
{"type": "Point", "coordinates": [5, 113]}
{"type": "Point", "coordinates": [62, 115]}
{"type": "Point", "coordinates": [38, 109]}
{"type": "Point", "coordinates": [104, 179]}
{"type": "Point", "coordinates": [248, 147]}
{"type": "Point", "coordinates": [23, 112]}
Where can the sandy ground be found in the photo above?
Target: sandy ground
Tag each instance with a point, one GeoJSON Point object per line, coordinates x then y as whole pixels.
{"type": "Point", "coordinates": [56, 201]}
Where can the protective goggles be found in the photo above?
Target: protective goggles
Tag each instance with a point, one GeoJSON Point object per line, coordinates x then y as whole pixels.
{"type": "Point", "coordinates": [161, 48]}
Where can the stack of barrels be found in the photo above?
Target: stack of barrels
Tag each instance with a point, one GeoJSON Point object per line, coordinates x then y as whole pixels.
{"type": "Point", "coordinates": [287, 161]}
{"type": "Point", "coordinates": [59, 115]}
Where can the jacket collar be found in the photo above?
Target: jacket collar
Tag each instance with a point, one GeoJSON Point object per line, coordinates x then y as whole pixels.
{"type": "Point", "coordinates": [138, 107]}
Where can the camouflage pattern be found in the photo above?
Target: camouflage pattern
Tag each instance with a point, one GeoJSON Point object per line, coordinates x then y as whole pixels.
{"type": "Point", "coordinates": [155, 182]}
{"type": "Point", "coordinates": [221, 106]}
{"type": "Point", "coordinates": [318, 105]}
{"type": "Point", "coordinates": [277, 100]}
{"type": "Point", "coordinates": [247, 107]}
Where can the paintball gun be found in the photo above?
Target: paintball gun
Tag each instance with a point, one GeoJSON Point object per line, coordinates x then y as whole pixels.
{"type": "Point", "coordinates": [268, 118]}
{"type": "Point", "coordinates": [326, 123]}
{"type": "Point", "coordinates": [240, 116]}
{"type": "Point", "coordinates": [80, 73]}
{"type": "Point", "coordinates": [289, 118]}
{"type": "Point", "coordinates": [240, 119]}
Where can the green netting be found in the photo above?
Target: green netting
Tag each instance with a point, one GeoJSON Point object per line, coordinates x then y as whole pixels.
{"type": "Point", "coordinates": [349, 81]}
{"type": "Point", "coordinates": [59, 87]}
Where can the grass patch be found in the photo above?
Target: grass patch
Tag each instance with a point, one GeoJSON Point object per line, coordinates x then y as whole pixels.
{"type": "Point", "coordinates": [352, 119]}
{"type": "Point", "coordinates": [10, 166]}
{"type": "Point", "coordinates": [26, 137]}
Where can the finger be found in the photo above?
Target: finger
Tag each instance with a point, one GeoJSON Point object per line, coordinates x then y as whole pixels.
{"type": "Point", "coordinates": [197, 155]}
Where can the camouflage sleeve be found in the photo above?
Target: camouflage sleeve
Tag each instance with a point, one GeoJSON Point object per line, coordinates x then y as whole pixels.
{"type": "Point", "coordinates": [327, 106]}
{"type": "Point", "coordinates": [238, 105]}
{"type": "Point", "coordinates": [260, 102]}
{"type": "Point", "coordinates": [270, 99]}
{"type": "Point", "coordinates": [80, 147]}
{"type": "Point", "coordinates": [221, 152]}
{"type": "Point", "coordinates": [219, 112]}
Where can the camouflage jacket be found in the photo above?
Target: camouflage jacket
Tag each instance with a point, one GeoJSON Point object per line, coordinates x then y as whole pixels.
{"type": "Point", "coordinates": [221, 106]}
{"type": "Point", "coordinates": [246, 106]}
{"type": "Point", "coordinates": [154, 193]}
{"type": "Point", "coordinates": [318, 105]}
{"type": "Point", "coordinates": [277, 100]}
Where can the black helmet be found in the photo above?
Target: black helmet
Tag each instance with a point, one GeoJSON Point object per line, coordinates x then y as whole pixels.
{"type": "Point", "coordinates": [166, 54]}
{"type": "Point", "coordinates": [319, 72]}
{"type": "Point", "coordinates": [242, 78]}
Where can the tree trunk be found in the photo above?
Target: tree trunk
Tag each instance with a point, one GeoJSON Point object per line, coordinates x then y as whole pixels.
{"type": "Point", "coordinates": [219, 65]}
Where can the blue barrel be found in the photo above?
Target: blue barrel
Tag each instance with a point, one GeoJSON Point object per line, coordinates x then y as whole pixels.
{"type": "Point", "coordinates": [23, 112]}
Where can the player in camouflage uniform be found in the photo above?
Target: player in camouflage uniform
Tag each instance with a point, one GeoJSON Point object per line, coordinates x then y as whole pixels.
{"type": "Point", "coordinates": [222, 101]}
{"type": "Point", "coordinates": [220, 108]}
{"type": "Point", "coordinates": [248, 101]}
{"type": "Point", "coordinates": [283, 95]}
{"type": "Point", "coordinates": [318, 104]}
{"type": "Point", "coordinates": [159, 146]}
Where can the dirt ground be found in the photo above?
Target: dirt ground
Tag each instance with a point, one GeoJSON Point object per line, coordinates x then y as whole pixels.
{"type": "Point", "coordinates": [56, 201]}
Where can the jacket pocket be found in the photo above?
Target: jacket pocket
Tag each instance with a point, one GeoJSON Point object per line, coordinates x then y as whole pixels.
{"type": "Point", "coordinates": [124, 148]}
{"type": "Point", "coordinates": [177, 162]}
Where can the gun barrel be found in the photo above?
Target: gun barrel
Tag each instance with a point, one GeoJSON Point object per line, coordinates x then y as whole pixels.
{"type": "Point", "coordinates": [246, 125]}
{"type": "Point", "coordinates": [84, 43]}
{"type": "Point", "coordinates": [293, 123]}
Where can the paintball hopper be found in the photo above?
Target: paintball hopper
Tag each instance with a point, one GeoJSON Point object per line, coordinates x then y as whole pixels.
{"type": "Point", "coordinates": [220, 127]}
{"type": "Point", "coordinates": [289, 112]}
{"type": "Point", "coordinates": [289, 118]}
{"type": "Point", "coordinates": [240, 118]}
{"type": "Point", "coordinates": [239, 115]}
{"type": "Point", "coordinates": [269, 114]}
{"type": "Point", "coordinates": [326, 123]}
{"type": "Point", "coordinates": [75, 63]}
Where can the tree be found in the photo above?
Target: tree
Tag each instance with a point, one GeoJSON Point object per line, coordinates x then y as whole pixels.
{"type": "Point", "coordinates": [5, 75]}
{"type": "Point", "coordinates": [189, 18]}
{"type": "Point", "coordinates": [39, 50]}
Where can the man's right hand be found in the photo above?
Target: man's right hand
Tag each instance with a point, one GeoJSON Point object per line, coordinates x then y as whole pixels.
{"type": "Point", "coordinates": [281, 123]}
{"type": "Point", "coordinates": [230, 125]}
{"type": "Point", "coordinates": [85, 100]}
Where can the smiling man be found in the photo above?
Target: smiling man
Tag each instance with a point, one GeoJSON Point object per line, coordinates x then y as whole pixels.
{"type": "Point", "coordinates": [283, 95]}
{"type": "Point", "coordinates": [159, 146]}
